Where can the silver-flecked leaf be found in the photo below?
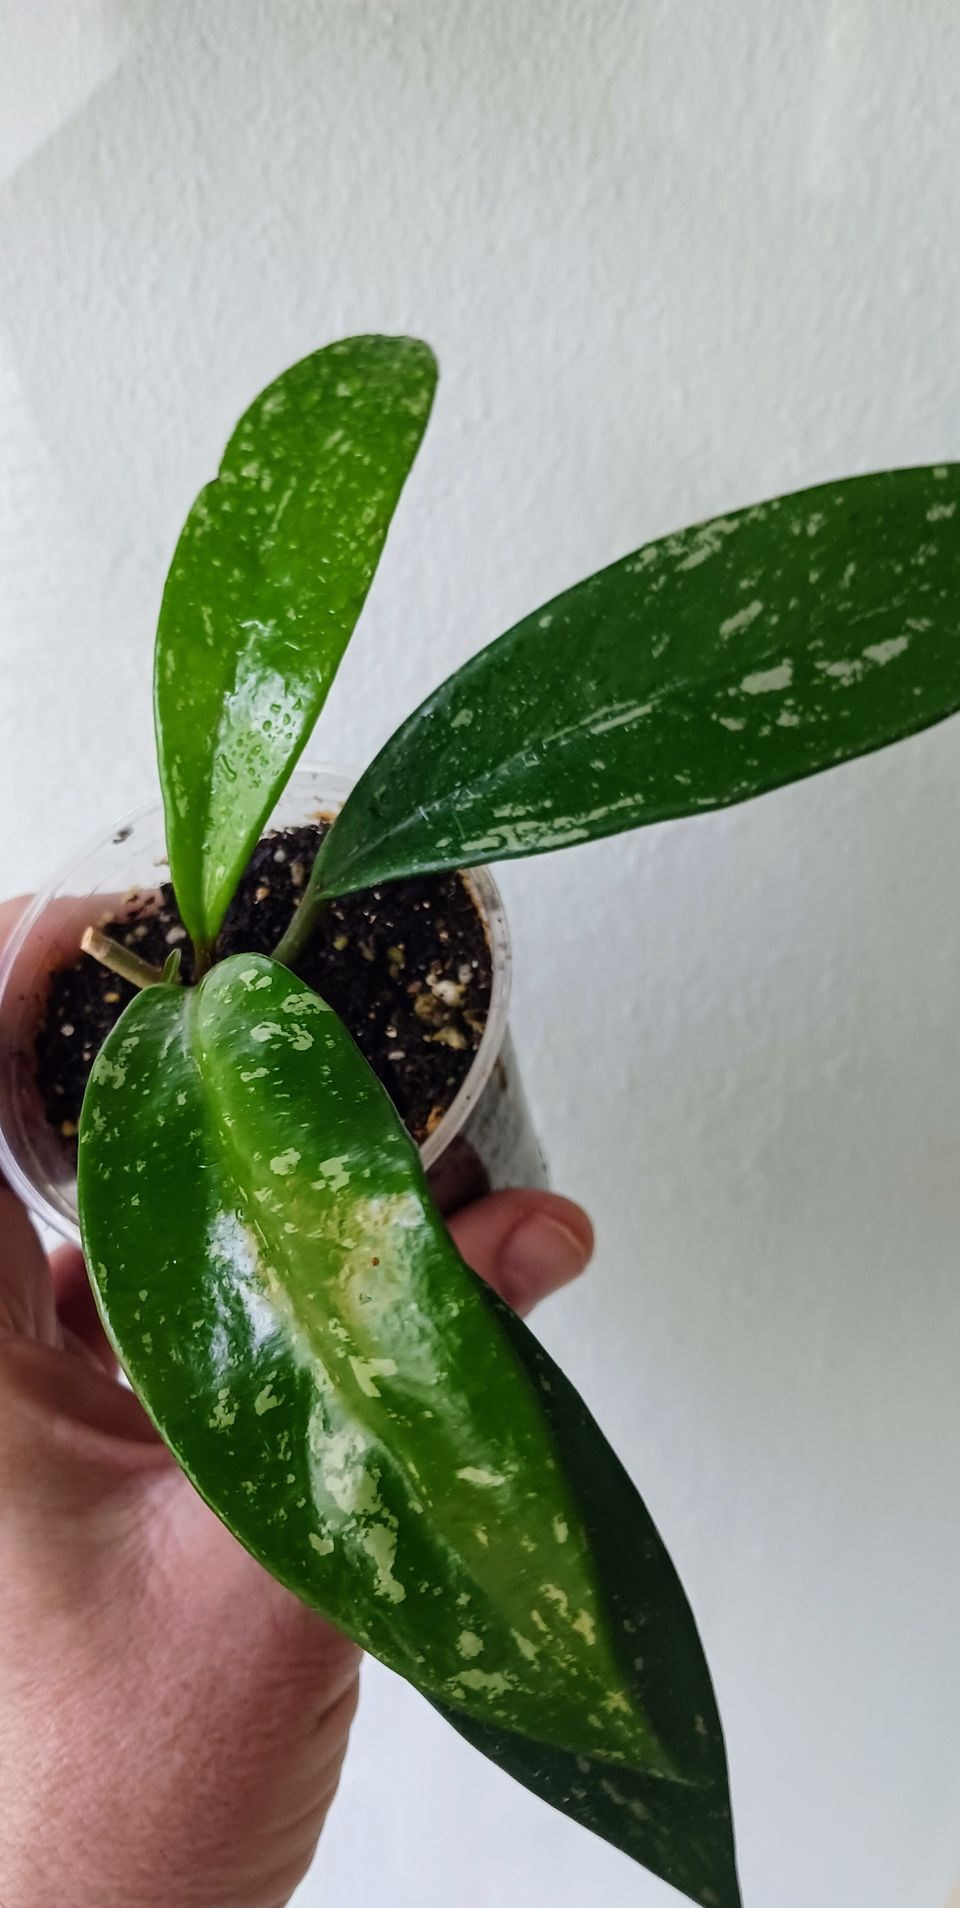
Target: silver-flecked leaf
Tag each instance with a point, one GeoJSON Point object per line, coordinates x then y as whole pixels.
{"type": "Point", "coordinates": [373, 1423]}
{"type": "Point", "coordinates": [268, 579]}
{"type": "Point", "coordinates": [703, 669]}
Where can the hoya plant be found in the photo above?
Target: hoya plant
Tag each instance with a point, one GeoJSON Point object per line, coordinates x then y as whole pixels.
{"type": "Point", "coordinates": [366, 1416]}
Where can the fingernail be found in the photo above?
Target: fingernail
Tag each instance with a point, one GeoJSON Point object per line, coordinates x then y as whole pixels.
{"type": "Point", "coordinates": [537, 1257]}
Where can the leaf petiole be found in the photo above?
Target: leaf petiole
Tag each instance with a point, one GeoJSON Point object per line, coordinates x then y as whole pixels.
{"type": "Point", "coordinates": [303, 925]}
{"type": "Point", "coordinates": [123, 961]}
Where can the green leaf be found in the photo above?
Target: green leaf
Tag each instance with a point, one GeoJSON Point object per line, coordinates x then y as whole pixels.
{"type": "Point", "coordinates": [683, 1831]}
{"type": "Point", "coordinates": [706, 668]}
{"type": "Point", "coordinates": [267, 582]}
{"type": "Point", "coordinates": [170, 972]}
{"type": "Point", "coordinates": [372, 1422]}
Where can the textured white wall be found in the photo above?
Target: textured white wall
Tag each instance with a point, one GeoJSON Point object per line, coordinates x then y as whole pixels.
{"type": "Point", "coordinates": [673, 258]}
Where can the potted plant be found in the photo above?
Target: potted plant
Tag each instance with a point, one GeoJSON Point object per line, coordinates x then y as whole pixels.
{"type": "Point", "coordinates": [371, 1422]}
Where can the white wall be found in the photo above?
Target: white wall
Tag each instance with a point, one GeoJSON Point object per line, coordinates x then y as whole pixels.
{"type": "Point", "coordinates": [673, 258]}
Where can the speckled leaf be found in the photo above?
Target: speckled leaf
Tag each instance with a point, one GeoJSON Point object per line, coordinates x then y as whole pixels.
{"type": "Point", "coordinates": [268, 579]}
{"type": "Point", "coordinates": [729, 659]}
{"type": "Point", "coordinates": [681, 1831]}
{"type": "Point", "coordinates": [373, 1423]}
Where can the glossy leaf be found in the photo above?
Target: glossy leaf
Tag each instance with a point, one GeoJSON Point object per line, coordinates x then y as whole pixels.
{"type": "Point", "coordinates": [372, 1422]}
{"type": "Point", "coordinates": [267, 582]}
{"type": "Point", "coordinates": [736, 656]}
{"type": "Point", "coordinates": [681, 1831]}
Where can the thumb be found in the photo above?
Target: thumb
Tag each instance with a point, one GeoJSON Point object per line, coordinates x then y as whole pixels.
{"type": "Point", "coordinates": [525, 1244]}
{"type": "Point", "coordinates": [27, 1308]}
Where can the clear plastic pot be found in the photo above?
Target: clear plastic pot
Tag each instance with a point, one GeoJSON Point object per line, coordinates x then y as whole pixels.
{"type": "Point", "coordinates": [484, 1141]}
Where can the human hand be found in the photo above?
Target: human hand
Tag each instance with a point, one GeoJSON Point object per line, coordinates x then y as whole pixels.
{"type": "Point", "coordinates": [172, 1721]}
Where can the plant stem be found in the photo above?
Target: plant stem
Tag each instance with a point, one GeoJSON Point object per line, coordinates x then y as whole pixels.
{"type": "Point", "coordinates": [292, 943]}
{"type": "Point", "coordinates": [120, 960]}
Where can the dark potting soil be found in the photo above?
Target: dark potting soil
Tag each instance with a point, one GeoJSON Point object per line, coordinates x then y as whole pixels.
{"type": "Point", "coordinates": [406, 966]}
